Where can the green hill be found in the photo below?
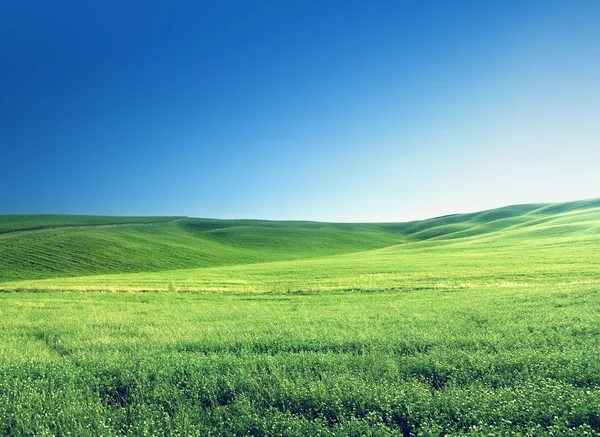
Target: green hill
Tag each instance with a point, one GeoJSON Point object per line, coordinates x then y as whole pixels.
{"type": "Point", "coordinates": [210, 254]}
{"type": "Point", "coordinates": [16, 223]}
{"type": "Point", "coordinates": [80, 246]}
{"type": "Point", "coordinates": [470, 324]}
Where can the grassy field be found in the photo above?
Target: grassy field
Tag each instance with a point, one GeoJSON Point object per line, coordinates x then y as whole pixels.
{"type": "Point", "coordinates": [177, 243]}
{"type": "Point", "coordinates": [17, 223]}
{"type": "Point", "coordinates": [475, 324]}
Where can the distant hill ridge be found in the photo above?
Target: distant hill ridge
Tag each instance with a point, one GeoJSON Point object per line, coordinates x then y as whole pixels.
{"type": "Point", "coordinates": [55, 246]}
{"type": "Point", "coordinates": [31, 222]}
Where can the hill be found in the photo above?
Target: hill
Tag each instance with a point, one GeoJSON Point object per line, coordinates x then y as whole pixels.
{"type": "Point", "coordinates": [37, 247]}
{"type": "Point", "coordinates": [252, 255]}
{"type": "Point", "coordinates": [472, 324]}
{"type": "Point", "coordinates": [31, 222]}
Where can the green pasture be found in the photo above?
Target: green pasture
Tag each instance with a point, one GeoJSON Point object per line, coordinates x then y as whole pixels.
{"type": "Point", "coordinates": [521, 247]}
{"type": "Point", "coordinates": [483, 361]}
{"type": "Point", "coordinates": [484, 324]}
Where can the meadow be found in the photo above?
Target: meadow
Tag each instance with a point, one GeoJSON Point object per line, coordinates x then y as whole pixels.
{"type": "Point", "coordinates": [475, 324]}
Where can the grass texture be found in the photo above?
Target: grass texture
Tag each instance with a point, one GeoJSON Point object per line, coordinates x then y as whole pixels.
{"type": "Point", "coordinates": [481, 324]}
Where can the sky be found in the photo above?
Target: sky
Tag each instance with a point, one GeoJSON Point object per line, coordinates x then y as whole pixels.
{"type": "Point", "coordinates": [297, 110]}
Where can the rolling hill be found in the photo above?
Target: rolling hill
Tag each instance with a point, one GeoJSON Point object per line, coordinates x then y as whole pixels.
{"type": "Point", "coordinates": [153, 253]}
{"type": "Point", "coordinates": [470, 324]}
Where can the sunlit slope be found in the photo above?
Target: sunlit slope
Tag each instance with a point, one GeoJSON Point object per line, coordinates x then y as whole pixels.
{"type": "Point", "coordinates": [511, 218]}
{"type": "Point", "coordinates": [524, 246]}
{"type": "Point", "coordinates": [83, 250]}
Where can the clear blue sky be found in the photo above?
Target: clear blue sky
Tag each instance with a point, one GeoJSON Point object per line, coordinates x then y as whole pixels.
{"type": "Point", "coordinates": [321, 110]}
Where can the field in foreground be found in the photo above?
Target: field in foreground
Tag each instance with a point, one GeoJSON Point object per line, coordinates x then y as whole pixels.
{"type": "Point", "coordinates": [477, 361]}
{"type": "Point", "coordinates": [477, 324]}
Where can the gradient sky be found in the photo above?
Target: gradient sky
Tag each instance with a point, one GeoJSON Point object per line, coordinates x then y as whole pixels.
{"type": "Point", "coordinates": [319, 110]}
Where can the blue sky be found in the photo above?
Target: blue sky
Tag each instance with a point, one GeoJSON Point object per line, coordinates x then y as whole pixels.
{"type": "Point", "coordinates": [319, 110]}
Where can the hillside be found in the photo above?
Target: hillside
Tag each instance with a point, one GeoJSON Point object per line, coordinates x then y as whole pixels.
{"type": "Point", "coordinates": [80, 246]}
{"type": "Point", "coordinates": [31, 222]}
{"type": "Point", "coordinates": [473, 324]}
{"type": "Point", "coordinates": [253, 255]}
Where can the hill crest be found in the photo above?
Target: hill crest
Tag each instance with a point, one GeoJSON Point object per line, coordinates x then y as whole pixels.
{"type": "Point", "coordinates": [54, 246]}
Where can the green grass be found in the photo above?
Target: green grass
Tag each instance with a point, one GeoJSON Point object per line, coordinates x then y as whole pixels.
{"type": "Point", "coordinates": [176, 244]}
{"type": "Point", "coordinates": [522, 246]}
{"type": "Point", "coordinates": [420, 363]}
{"type": "Point", "coordinates": [16, 223]}
{"type": "Point", "coordinates": [161, 246]}
{"type": "Point", "coordinates": [476, 324]}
